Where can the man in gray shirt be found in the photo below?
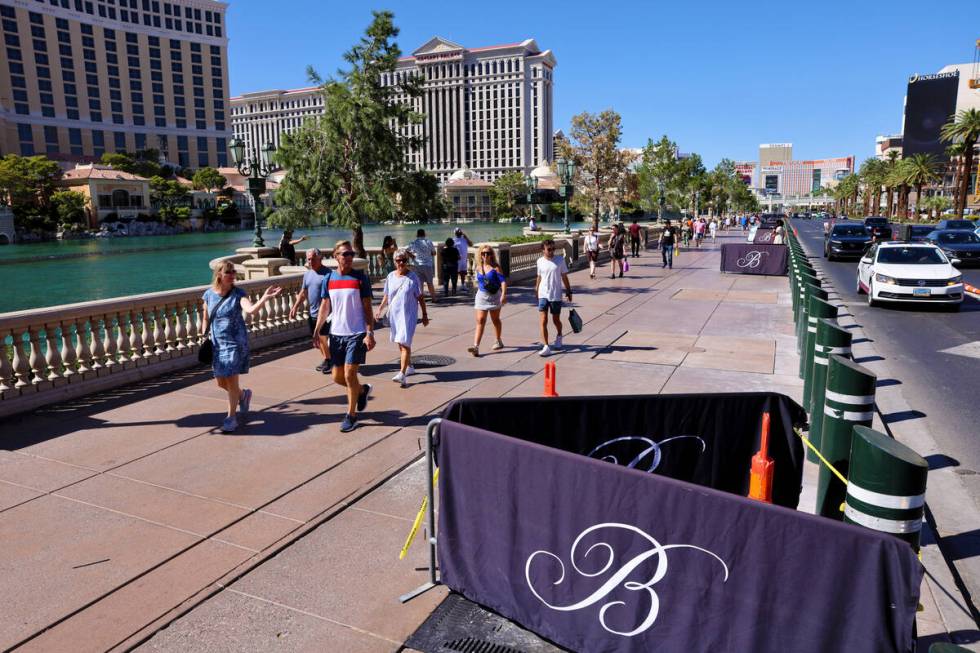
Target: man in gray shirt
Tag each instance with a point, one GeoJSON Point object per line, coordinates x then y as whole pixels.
{"type": "Point", "coordinates": [423, 252]}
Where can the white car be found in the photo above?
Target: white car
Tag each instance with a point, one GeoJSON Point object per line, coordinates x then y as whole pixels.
{"type": "Point", "coordinates": [909, 272]}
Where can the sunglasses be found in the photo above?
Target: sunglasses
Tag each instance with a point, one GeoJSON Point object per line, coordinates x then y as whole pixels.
{"type": "Point", "coordinates": [486, 253]}
{"type": "Point", "coordinates": [232, 272]}
{"type": "Point", "coordinates": [401, 260]}
{"type": "Point", "coordinates": [347, 254]}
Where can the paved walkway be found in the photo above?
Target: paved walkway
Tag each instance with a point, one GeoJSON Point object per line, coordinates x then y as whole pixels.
{"type": "Point", "coordinates": [128, 513]}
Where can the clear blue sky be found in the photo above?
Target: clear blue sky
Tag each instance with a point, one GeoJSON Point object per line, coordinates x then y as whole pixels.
{"type": "Point", "coordinates": [717, 77]}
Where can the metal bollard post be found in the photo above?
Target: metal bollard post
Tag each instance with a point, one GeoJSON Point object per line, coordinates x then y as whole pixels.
{"type": "Point", "coordinates": [850, 399]}
{"type": "Point", "coordinates": [831, 339]}
{"type": "Point", "coordinates": [816, 309]}
{"type": "Point", "coordinates": [886, 487]}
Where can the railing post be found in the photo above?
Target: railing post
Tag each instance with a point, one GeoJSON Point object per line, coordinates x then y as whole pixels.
{"type": "Point", "coordinates": [69, 355]}
{"type": "Point", "coordinates": [6, 369]}
{"type": "Point", "coordinates": [181, 327]}
{"type": "Point", "coordinates": [22, 370]}
{"type": "Point", "coordinates": [84, 353]}
{"type": "Point", "coordinates": [53, 356]}
{"type": "Point", "coordinates": [168, 328]}
{"type": "Point", "coordinates": [135, 340]}
{"type": "Point", "coordinates": [157, 331]}
{"type": "Point", "coordinates": [39, 366]}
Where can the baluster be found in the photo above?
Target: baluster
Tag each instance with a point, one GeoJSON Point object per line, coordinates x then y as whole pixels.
{"type": "Point", "coordinates": [158, 336]}
{"type": "Point", "coordinates": [84, 353]}
{"type": "Point", "coordinates": [69, 355]}
{"type": "Point", "coordinates": [110, 343]}
{"type": "Point", "coordinates": [181, 327]}
{"type": "Point", "coordinates": [149, 349]}
{"type": "Point", "coordinates": [6, 369]}
{"type": "Point", "coordinates": [277, 312]}
{"type": "Point", "coordinates": [39, 367]}
{"type": "Point", "coordinates": [168, 333]}
{"type": "Point", "coordinates": [193, 335]}
{"type": "Point", "coordinates": [52, 355]}
{"type": "Point", "coordinates": [267, 322]}
{"type": "Point", "coordinates": [135, 339]}
{"type": "Point", "coordinates": [98, 347]}
{"type": "Point", "coordinates": [122, 337]}
{"type": "Point", "coordinates": [22, 369]}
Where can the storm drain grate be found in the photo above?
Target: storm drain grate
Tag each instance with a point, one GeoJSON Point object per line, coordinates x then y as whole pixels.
{"type": "Point", "coordinates": [461, 626]}
{"type": "Point", "coordinates": [425, 361]}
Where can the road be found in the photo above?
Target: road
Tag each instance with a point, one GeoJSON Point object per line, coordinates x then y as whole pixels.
{"type": "Point", "coordinates": [944, 386]}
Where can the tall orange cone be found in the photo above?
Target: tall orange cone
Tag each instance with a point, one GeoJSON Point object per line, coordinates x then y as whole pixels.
{"type": "Point", "coordinates": [550, 380]}
{"type": "Point", "coordinates": [763, 468]}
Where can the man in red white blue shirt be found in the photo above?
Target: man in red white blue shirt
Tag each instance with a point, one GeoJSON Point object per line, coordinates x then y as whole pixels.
{"type": "Point", "coordinates": [346, 294]}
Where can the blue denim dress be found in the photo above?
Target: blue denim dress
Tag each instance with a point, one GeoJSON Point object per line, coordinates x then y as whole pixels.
{"type": "Point", "coordinates": [228, 333]}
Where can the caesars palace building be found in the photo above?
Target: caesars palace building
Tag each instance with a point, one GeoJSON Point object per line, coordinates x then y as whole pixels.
{"type": "Point", "coordinates": [487, 109]}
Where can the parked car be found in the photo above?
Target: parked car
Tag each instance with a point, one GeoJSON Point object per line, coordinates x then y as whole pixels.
{"type": "Point", "coordinates": [909, 272]}
{"type": "Point", "coordinates": [915, 233]}
{"type": "Point", "coordinates": [963, 245]}
{"type": "Point", "coordinates": [964, 225]}
{"type": "Point", "coordinates": [846, 240]}
{"type": "Point", "coordinates": [878, 227]}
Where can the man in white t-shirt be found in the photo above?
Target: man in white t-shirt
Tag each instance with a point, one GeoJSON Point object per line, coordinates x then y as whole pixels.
{"type": "Point", "coordinates": [423, 254]}
{"type": "Point", "coordinates": [552, 275]}
{"type": "Point", "coordinates": [463, 243]}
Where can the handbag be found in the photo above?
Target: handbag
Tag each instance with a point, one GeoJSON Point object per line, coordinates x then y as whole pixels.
{"type": "Point", "coordinates": [626, 265]}
{"type": "Point", "coordinates": [491, 284]}
{"type": "Point", "coordinates": [205, 354]}
{"type": "Point", "coordinates": [574, 321]}
{"type": "Point", "coordinates": [677, 250]}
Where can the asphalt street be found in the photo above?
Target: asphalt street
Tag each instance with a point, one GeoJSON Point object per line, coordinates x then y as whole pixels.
{"type": "Point", "coordinates": [943, 385]}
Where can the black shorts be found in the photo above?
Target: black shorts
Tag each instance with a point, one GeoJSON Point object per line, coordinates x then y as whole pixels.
{"type": "Point", "coordinates": [324, 330]}
{"type": "Point", "coordinates": [593, 256]}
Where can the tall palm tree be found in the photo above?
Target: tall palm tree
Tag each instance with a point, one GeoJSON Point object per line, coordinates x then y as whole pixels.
{"type": "Point", "coordinates": [921, 169]}
{"type": "Point", "coordinates": [964, 128]}
{"type": "Point", "coordinates": [898, 179]}
{"type": "Point", "coordinates": [887, 179]}
{"type": "Point", "coordinates": [956, 153]}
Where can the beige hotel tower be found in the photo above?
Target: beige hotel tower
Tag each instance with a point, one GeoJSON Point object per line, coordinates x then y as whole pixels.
{"type": "Point", "coordinates": [82, 77]}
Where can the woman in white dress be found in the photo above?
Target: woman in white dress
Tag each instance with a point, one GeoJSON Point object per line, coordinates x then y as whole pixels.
{"type": "Point", "coordinates": [403, 297]}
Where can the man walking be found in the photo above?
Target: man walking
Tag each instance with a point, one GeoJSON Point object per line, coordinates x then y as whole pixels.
{"type": "Point", "coordinates": [552, 275]}
{"type": "Point", "coordinates": [423, 252]}
{"type": "Point", "coordinates": [667, 238]}
{"type": "Point", "coordinates": [310, 292]}
{"type": "Point", "coordinates": [463, 243]}
{"type": "Point", "coordinates": [347, 298]}
{"type": "Point", "coordinates": [635, 238]}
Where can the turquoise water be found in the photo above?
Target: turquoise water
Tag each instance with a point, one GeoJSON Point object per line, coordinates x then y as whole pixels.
{"type": "Point", "coordinates": [47, 274]}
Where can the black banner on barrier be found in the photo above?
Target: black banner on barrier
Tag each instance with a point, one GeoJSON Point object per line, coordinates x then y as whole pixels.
{"type": "Point", "coordinates": [744, 258]}
{"type": "Point", "coordinates": [577, 550]}
{"type": "Point", "coordinates": [703, 439]}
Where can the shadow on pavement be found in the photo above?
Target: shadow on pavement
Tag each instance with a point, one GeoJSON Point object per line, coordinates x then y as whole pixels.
{"type": "Point", "coordinates": [940, 461]}
{"type": "Point", "coordinates": [901, 416]}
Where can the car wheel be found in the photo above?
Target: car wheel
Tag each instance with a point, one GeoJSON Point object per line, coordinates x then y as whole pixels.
{"type": "Point", "coordinates": [825, 253]}
{"type": "Point", "coordinates": [871, 294]}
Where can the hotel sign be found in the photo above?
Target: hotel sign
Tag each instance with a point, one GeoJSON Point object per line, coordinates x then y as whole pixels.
{"type": "Point", "coordinates": [772, 169]}
{"type": "Point", "coordinates": [925, 78]}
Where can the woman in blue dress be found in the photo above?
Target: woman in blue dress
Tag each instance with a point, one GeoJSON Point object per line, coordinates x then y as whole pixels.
{"type": "Point", "coordinates": [403, 297]}
{"type": "Point", "coordinates": [224, 304]}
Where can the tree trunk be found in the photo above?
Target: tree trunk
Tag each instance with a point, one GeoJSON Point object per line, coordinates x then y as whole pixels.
{"type": "Point", "coordinates": [965, 179]}
{"type": "Point", "coordinates": [890, 201]}
{"type": "Point", "coordinates": [918, 201]}
{"type": "Point", "coordinates": [358, 235]}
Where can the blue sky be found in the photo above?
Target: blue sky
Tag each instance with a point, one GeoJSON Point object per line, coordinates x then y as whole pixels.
{"type": "Point", "coordinates": [717, 77]}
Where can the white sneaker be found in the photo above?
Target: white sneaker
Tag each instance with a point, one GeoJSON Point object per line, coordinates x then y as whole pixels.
{"type": "Point", "coordinates": [557, 344]}
{"type": "Point", "coordinates": [398, 378]}
{"type": "Point", "coordinates": [545, 351]}
{"type": "Point", "coordinates": [498, 345]}
{"type": "Point", "coordinates": [409, 371]}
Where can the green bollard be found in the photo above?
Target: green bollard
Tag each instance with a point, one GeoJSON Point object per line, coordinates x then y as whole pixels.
{"type": "Point", "coordinates": [850, 400]}
{"type": "Point", "coordinates": [946, 647]}
{"type": "Point", "coordinates": [831, 339]}
{"type": "Point", "coordinates": [886, 487]}
{"type": "Point", "coordinates": [816, 309]}
{"type": "Point", "coordinates": [810, 290]}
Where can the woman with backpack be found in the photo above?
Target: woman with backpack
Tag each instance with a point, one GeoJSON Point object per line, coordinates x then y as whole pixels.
{"type": "Point", "coordinates": [491, 295]}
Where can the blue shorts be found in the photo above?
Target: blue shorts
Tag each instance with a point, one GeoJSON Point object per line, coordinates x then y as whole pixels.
{"type": "Point", "coordinates": [544, 305]}
{"type": "Point", "coordinates": [349, 349]}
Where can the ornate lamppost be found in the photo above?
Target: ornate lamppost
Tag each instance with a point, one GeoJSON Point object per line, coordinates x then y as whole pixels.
{"type": "Point", "coordinates": [566, 172]}
{"type": "Point", "coordinates": [532, 186]}
{"type": "Point", "coordinates": [256, 168]}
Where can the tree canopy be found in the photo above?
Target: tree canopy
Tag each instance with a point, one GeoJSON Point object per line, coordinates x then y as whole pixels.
{"type": "Point", "coordinates": [209, 179]}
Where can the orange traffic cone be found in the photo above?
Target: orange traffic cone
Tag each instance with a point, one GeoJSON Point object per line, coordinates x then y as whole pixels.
{"type": "Point", "coordinates": [550, 380]}
{"type": "Point", "coordinates": [763, 468]}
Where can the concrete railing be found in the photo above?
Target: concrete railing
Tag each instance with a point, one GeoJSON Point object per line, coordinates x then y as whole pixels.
{"type": "Point", "coordinates": [62, 352]}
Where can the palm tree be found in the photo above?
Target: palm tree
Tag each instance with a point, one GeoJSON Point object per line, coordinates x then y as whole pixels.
{"type": "Point", "coordinates": [873, 175]}
{"type": "Point", "coordinates": [887, 178]}
{"type": "Point", "coordinates": [956, 153]}
{"type": "Point", "coordinates": [964, 128]}
{"type": "Point", "coordinates": [921, 169]}
{"type": "Point", "coordinates": [898, 179]}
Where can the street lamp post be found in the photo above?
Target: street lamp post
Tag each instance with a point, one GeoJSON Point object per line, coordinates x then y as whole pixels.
{"type": "Point", "coordinates": [662, 202]}
{"type": "Point", "coordinates": [532, 186]}
{"type": "Point", "coordinates": [566, 173]}
{"type": "Point", "coordinates": [255, 168]}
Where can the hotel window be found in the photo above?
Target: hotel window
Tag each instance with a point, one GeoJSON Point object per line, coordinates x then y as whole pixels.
{"type": "Point", "coordinates": [140, 142]}
{"type": "Point", "coordinates": [75, 140]}
{"type": "Point", "coordinates": [50, 139]}
{"type": "Point", "coordinates": [119, 140]}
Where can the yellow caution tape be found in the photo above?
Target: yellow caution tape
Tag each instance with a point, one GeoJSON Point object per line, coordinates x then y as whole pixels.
{"type": "Point", "coordinates": [822, 459]}
{"type": "Point", "coordinates": [418, 520]}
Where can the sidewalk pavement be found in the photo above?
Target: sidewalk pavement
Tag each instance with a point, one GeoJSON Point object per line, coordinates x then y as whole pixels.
{"type": "Point", "coordinates": [129, 521]}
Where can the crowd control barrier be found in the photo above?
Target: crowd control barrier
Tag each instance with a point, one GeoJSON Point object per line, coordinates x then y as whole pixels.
{"type": "Point", "coordinates": [549, 519]}
{"type": "Point", "coordinates": [831, 339]}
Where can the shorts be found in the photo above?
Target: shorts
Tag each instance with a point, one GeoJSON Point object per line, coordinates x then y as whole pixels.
{"type": "Point", "coordinates": [426, 273]}
{"type": "Point", "coordinates": [324, 330]}
{"type": "Point", "coordinates": [545, 304]}
{"type": "Point", "coordinates": [593, 256]}
{"type": "Point", "coordinates": [349, 349]}
{"type": "Point", "coordinates": [618, 255]}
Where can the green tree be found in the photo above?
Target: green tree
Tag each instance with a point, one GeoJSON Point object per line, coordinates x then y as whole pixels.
{"type": "Point", "coordinates": [209, 179]}
{"type": "Point", "coordinates": [504, 194]}
{"type": "Point", "coordinates": [601, 164]}
{"type": "Point", "coordinates": [144, 163]}
{"type": "Point", "coordinates": [347, 164]}
{"type": "Point", "coordinates": [26, 185]}
{"type": "Point", "coordinates": [963, 128]}
{"type": "Point", "coordinates": [658, 169]}
{"type": "Point", "coordinates": [420, 198]}
{"type": "Point", "coordinates": [170, 196]}
{"type": "Point", "coordinates": [69, 206]}
{"type": "Point", "coordinates": [922, 169]}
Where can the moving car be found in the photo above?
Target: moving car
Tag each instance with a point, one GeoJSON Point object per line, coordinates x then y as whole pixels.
{"type": "Point", "coordinates": [878, 227]}
{"type": "Point", "coordinates": [915, 233]}
{"type": "Point", "coordinates": [846, 239]}
{"type": "Point", "coordinates": [909, 272]}
{"type": "Point", "coordinates": [962, 225]}
{"type": "Point", "coordinates": [964, 245]}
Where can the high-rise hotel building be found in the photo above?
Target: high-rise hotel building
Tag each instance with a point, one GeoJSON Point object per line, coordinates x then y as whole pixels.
{"type": "Point", "coordinates": [487, 109]}
{"type": "Point", "coordinates": [84, 77]}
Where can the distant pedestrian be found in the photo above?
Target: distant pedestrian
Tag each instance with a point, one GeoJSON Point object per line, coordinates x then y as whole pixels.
{"type": "Point", "coordinates": [668, 238]}
{"type": "Point", "coordinates": [450, 266]}
{"type": "Point", "coordinates": [713, 228]}
{"type": "Point", "coordinates": [491, 295]}
{"type": "Point", "coordinates": [224, 324]}
{"type": "Point", "coordinates": [346, 294]}
{"type": "Point", "coordinates": [592, 249]}
{"type": "Point", "coordinates": [552, 275]}
{"type": "Point", "coordinates": [310, 292]}
{"type": "Point", "coordinates": [287, 246]}
{"type": "Point", "coordinates": [532, 225]}
{"type": "Point", "coordinates": [779, 234]}
{"type": "Point", "coordinates": [388, 248]}
{"type": "Point", "coordinates": [635, 231]}
{"type": "Point", "coordinates": [403, 297]}
{"type": "Point", "coordinates": [423, 253]}
{"type": "Point", "coordinates": [699, 227]}
{"type": "Point", "coordinates": [617, 249]}
{"type": "Point", "coordinates": [463, 243]}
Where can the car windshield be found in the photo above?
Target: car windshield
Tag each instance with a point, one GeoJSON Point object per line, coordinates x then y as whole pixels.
{"type": "Point", "coordinates": [958, 238]}
{"type": "Point", "coordinates": [876, 222]}
{"type": "Point", "coordinates": [922, 228]}
{"type": "Point", "coordinates": [910, 255]}
{"type": "Point", "coordinates": [959, 224]}
{"type": "Point", "coordinates": [850, 230]}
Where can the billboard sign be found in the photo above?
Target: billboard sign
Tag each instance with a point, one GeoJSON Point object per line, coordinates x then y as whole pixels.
{"type": "Point", "coordinates": [772, 184]}
{"type": "Point", "coordinates": [930, 101]}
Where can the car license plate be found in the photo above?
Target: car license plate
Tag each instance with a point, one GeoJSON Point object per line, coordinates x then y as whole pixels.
{"type": "Point", "coordinates": [921, 291]}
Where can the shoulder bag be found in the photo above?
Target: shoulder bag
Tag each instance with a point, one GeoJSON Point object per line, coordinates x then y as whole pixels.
{"type": "Point", "coordinates": [205, 354]}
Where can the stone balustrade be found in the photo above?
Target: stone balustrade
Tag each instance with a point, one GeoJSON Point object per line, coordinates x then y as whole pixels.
{"type": "Point", "coordinates": [62, 352]}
